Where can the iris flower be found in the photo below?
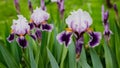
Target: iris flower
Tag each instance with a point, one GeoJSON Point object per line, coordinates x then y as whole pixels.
{"type": "Point", "coordinates": [78, 23]}
{"type": "Point", "coordinates": [30, 6]}
{"type": "Point", "coordinates": [107, 31]}
{"type": "Point", "coordinates": [17, 6]}
{"type": "Point", "coordinates": [43, 5]}
{"type": "Point", "coordinates": [20, 28]}
{"type": "Point", "coordinates": [60, 4]}
{"type": "Point", "coordinates": [38, 21]}
{"type": "Point", "coordinates": [115, 8]}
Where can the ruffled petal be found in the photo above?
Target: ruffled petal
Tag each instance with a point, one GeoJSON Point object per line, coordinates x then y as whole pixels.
{"type": "Point", "coordinates": [22, 41]}
{"type": "Point", "coordinates": [107, 31]}
{"type": "Point", "coordinates": [38, 34]}
{"type": "Point", "coordinates": [64, 37]}
{"type": "Point", "coordinates": [107, 34]}
{"type": "Point", "coordinates": [79, 44]}
{"type": "Point", "coordinates": [95, 38]}
{"type": "Point", "coordinates": [11, 37]}
{"type": "Point", "coordinates": [31, 25]}
{"type": "Point", "coordinates": [47, 27]}
{"type": "Point", "coordinates": [33, 36]}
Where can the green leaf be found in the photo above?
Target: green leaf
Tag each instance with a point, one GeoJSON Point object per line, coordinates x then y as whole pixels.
{"type": "Point", "coordinates": [53, 62]}
{"type": "Point", "coordinates": [9, 59]}
{"type": "Point", "coordinates": [15, 51]}
{"type": "Point", "coordinates": [95, 59]}
{"type": "Point", "coordinates": [63, 57]}
{"type": "Point", "coordinates": [117, 43]}
{"type": "Point", "coordinates": [2, 65]}
{"type": "Point", "coordinates": [108, 56]}
{"type": "Point", "coordinates": [83, 61]}
{"type": "Point", "coordinates": [72, 56]}
{"type": "Point", "coordinates": [32, 60]}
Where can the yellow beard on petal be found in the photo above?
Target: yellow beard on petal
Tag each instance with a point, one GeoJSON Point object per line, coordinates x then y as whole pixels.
{"type": "Point", "coordinates": [69, 30]}
{"type": "Point", "coordinates": [11, 31]}
{"type": "Point", "coordinates": [44, 22]}
{"type": "Point", "coordinates": [21, 35]}
{"type": "Point", "coordinates": [31, 20]}
{"type": "Point", "coordinates": [89, 30]}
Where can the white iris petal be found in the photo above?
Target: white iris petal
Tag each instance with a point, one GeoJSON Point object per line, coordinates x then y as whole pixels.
{"type": "Point", "coordinates": [79, 20]}
{"type": "Point", "coordinates": [20, 26]}
{"type": "Point", "coordinates": [39, 16]}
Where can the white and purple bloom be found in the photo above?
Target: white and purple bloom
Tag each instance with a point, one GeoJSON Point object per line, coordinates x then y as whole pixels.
{"type": "Point", "coordinates": [107, 31]}
{"type": "Point", "coordinates": [20, 28]}
{"type": "Point", "coordinates": [39, 19]}
{"type": "Point", "coordinates": [78, 23]}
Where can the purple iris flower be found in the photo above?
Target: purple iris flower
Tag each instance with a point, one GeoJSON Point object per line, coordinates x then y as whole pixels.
{"type": "Point", "coordinates": [30, 6]}
{"type": "Point", "coordinates": [19, 28]}
{"type": "Point", "coordinates": [60, 6]}
{"type": "Point", "coordinates": [116, 11]}
{"type": "Point", "coordinates": [115, 8]}
{"type": "Point", "coordinates": [43, 5]}
{"type": "Point", "coordinates": [17, 6]}
{"type": "Point", "coordinates": [107, 31]}
{"type": "Point", "coordinates": [78, 23]}
{"type": "Point", "coordinates": [38, 21]}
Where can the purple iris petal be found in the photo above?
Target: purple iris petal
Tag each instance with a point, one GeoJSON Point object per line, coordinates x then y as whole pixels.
{"type": "Point", "coordinates": [79, 44]}
{"type": "Point", "coordinates": [30, 6]}
{"type": "Point", "coordinates": [43, 5]}
{"type": "Point", "coordinates": [33, 36]}
{"type": "Point", "coordinates": [107, 31]}
{"type": "Point", "coordinates": [105, 15]}
{"type": "Point", "coordinates": [64, 37]}
{"type": "Point", "coordinates": [11, 37]}
{"type": "Point", "coordinates": [16, 2]}
{"type": "Point", "coordinates": [22, 41]}
{"type": "Point", "coordinates": [47, 27]}
{"type": "Point", "coordinates": [38, 33]}
{"type": "Point", "coordinates": [31, 25]}
{"type": "Point", "coordinates": [115, 8]}
{"type": "Point", "coordinates": [95, 38]}
{"type": "Point", "coordinates": [61, 7]}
